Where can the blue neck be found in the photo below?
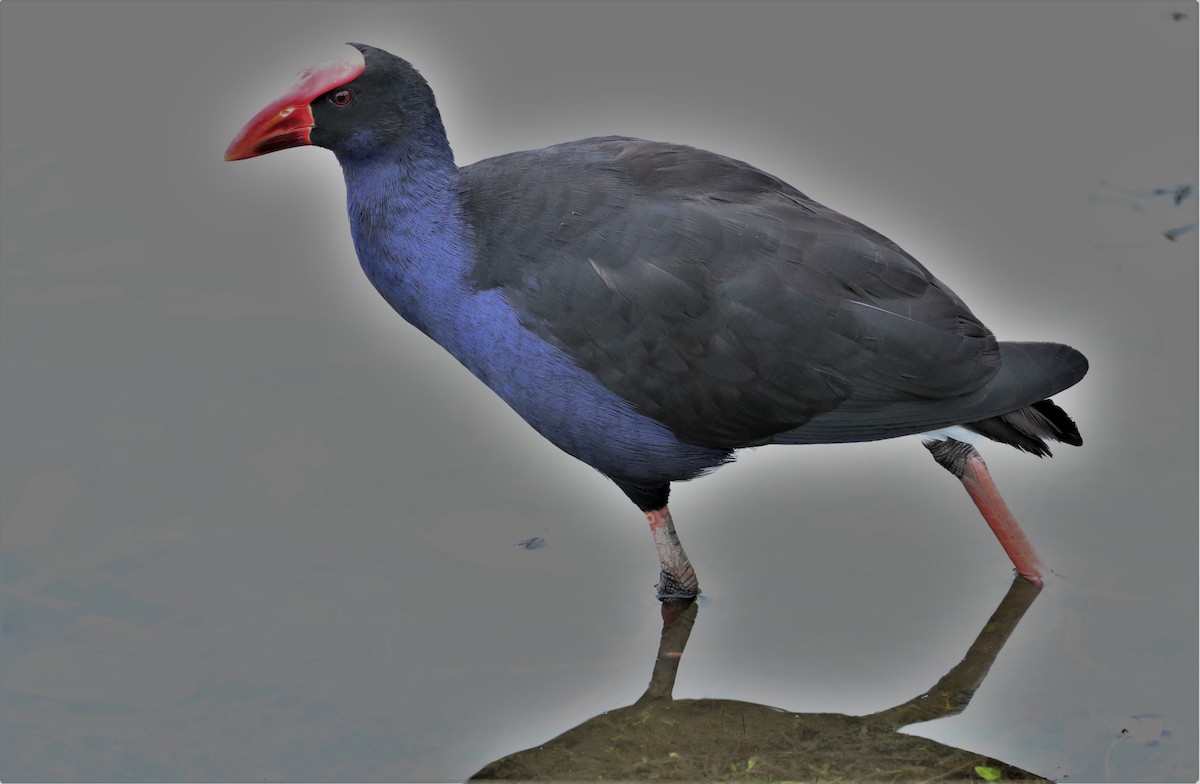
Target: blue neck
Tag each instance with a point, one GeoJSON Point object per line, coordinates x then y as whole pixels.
{"type": "Point", "coordinates": [410, 236]}
{"type": "Point", "coordinates": [416, 249]}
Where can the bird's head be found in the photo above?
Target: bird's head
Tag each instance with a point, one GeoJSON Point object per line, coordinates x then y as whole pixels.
{"type": "Point", "coordinates": [357, 104]}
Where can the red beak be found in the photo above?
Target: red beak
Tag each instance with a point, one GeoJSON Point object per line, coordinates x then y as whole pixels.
{"type": "Point", "coordinates": [286, 121]}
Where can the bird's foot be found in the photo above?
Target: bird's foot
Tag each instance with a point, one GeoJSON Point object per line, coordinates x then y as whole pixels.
{"type": "Point", "coordinates": [684, 586]}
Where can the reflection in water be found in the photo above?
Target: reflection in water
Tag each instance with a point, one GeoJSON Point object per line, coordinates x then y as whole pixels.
{"type": "Point", "coordinates": [661, 737]}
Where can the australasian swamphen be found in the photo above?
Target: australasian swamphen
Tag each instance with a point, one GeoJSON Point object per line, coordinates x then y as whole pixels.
{"type": "Point", "coordinates": [650, 307]}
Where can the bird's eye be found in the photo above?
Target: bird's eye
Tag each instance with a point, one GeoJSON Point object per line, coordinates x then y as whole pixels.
{"type": "Point", "coordinates": [341, 98]}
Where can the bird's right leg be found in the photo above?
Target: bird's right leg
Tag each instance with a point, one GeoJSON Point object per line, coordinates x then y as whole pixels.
{"type": "Point", "coordinates": [963, 460]}
{"type": "Point", "coordinates": [678, 578]}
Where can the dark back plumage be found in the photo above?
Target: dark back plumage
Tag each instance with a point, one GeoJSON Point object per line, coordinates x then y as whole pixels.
{"type": "Point", "coordinates": [723, 302]}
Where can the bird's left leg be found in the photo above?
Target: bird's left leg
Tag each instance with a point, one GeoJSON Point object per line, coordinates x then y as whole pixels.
{"type": "Point", "coordinates": [963, 460]}
{"type": "Point", "coordinates": [678, 578]}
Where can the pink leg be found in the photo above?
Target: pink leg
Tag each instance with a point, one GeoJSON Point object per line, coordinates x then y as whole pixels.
{"type": "Point", "coordinates": [678, 578]}
{"type": "Point", "coordinates": [962, 460]}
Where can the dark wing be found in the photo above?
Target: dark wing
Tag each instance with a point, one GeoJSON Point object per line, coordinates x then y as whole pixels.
{"type": "Point", "coordinates": [714, 297]}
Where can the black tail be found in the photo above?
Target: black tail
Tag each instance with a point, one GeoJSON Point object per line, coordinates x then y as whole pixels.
{"type": "Point", "coordinates": [1028, 428]}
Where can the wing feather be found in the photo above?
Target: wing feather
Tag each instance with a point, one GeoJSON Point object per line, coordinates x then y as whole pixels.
{"type": "Point", "coordinates": [714, 297]}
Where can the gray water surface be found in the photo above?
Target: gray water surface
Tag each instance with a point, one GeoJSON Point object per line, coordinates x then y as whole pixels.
{"type": "Point", "coordinates": [255, 527]}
